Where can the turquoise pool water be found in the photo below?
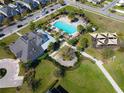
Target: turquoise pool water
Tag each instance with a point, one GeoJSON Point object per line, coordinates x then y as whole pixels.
{"type": "Point", "coordinates": [65, 27]}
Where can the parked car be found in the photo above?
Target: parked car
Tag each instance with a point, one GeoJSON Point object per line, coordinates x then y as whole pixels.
{"type": "Point", "coordinates": [18, 26]}
{"type": "Point", "coordinates": [52, 9]}
{"type": "Point", "coordinates": [37, 17]}
{"type": "Point", "coordinates": [1, 35]}
{"type": "Point", "coordinates": [30, 15]}
{"type": "Point", "coordinates": [47, 12]}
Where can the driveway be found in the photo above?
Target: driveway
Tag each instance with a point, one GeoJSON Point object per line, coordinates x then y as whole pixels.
{"type": "Point", "coordinates": [11, 79]}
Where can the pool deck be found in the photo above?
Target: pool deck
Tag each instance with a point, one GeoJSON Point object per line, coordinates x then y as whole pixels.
{"type": "Point", "coordinates": [66, 20]}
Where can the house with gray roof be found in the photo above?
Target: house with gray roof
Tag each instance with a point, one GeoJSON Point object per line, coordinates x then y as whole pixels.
{"type": "Point", "coordinates": [32, 45]}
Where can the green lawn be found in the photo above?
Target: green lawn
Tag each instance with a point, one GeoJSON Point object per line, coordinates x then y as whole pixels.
{"type": "Point", "coordinates": [116, 69]}
{"type": "Point", "coordinates": [105, 24]}
{"type": "Point", "coordinates": [119, 7]}
{"type": "Point", "coordinates": [10, 39]}
{"type": "Point", "coordinates": [86, 79]}
{"type": "Point", "coordinates": [4, 52]}
{"type": "Point", "coordinates": [44, 71]}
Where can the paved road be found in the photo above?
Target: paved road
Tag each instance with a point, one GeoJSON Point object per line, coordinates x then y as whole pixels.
{"type": "Point", "coordinates": [38, 15]}
{"type": "Point", "coordinates": [110, 5]}
{"type": "Point", "coordinates": [35, 17]}
{"type": "Point", "coordinates": [97, 10]}
{"type": "Point", "coordinates": [99, 63]}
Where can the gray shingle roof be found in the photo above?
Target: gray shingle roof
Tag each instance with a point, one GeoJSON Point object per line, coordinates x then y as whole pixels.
{"type": "Point", "coordinates": [31, 45]}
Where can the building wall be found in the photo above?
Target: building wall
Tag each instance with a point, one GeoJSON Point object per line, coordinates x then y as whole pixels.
{"type": "Point", "coordinates": [5, 1]}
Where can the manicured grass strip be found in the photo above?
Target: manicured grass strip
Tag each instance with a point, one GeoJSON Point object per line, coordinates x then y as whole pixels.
{"type": "Point", "coordinates": [10, 39]}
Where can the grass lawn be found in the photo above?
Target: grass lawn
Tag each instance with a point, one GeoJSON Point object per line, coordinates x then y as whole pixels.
{"type": "Point", "coordinates": [44, 71]}
{"type": "Point", "coordinates": [116, 69]}
{"type": "Point", "coordinates": [119, 7]}
{"type": "Point", "coordinates": [105, 24]}
{"type": "Point", "coordinates": [10, 39]}
{"type": "Point", "coordinates": [86, 79]}
{"type": "Point", "coordinates": [5, 53]}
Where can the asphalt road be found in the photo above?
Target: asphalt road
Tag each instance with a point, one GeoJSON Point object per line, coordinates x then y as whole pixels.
{"type": "Point", "coordinates": [103, 11]}
{"type": "Point", "coordinates": [38, 15]}
{"type": "Point", "coordinates": [35, 16]}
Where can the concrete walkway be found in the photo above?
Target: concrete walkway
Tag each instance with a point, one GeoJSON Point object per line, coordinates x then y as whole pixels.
{"type": "Point", "coordinates": [101, 67]}
{"type": "Point", "coordinates": [18, 34]}
{"type": "Point", "coordinates": [104, 71]}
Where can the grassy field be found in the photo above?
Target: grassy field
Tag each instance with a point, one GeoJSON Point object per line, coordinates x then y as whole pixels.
{"type": "Point", "coordinates": [4, 52]}
{"type": "Point", "coordinates": [44, 71]}
{"type": "Point", "coordinates": [119, 7]}
{"type": "Point", "coordinates": [107, 25]}
{"type": "Point", "coordinates": [116, 69]}
{"type": "Point", "coordinates": [86, 79]}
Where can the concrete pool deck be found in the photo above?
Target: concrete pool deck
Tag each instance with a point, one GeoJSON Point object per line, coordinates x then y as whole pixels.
{"type": "Point", "coordinates": [67, 20]}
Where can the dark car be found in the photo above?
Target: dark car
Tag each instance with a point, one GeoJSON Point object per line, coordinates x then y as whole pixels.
{"type": "Point", "coordinates": [30, 15]}
{"type": "Point", "coordinates": [1, 35]}
{"type": "Point", "coordinates": [47, 12]}
{"type": "Point", "coordinates": [52, 9]}
{"type": "Point", "coordinates": [18, 26]}
{"type": "Point", "coordinates": [63, 4]}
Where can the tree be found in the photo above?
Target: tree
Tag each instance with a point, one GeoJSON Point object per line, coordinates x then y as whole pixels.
{"type": "Point", "coordinates": [17, 17]}
{"type": "Point", "coordinates": [80, 28]}
{"type": "Point", "coordinates": [73, 42]}
{"type": "Point", "coordinates": [61, 1]}
{"type": "Point", "coordinates": [6, 21]}
{"type": "Point", "coordinates": [82, 44]}
{"type": "Point", "coordinates": [89, 28]}
{"type": "Point", "coordinates": [60, 72]}
{"type": "Point", "coordinates": [50, 47]}
{"type": "Point", "coordinates": [32, 26]}
{"type": "Point", "coordinates": [71, 16]}
{"type": "Point", "coordinates": [24, 14]}
{"type": "Point", "coordinates": [35, 83]}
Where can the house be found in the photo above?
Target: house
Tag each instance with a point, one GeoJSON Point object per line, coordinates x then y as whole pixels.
{"type": "Point", "coordinates": [22, 6]}
{"type": "Point", "coordinates": [58, 89]}
{"type": "Point", "coordinates": [104, 39]}
{"type": "Point", "coordinates": [8, 11]}
{"type": "Point", "coordinates": [95, 1]}
{"type": "Point", "coordinates": [120, 3]}
{"type": "Point", "coordinates": [31, 45]}
{"type": "Point", "coordinates": [33, 3]}
{"type": "Point", "coordinates": [43, 1]}
{"type": "Point", "coordinates": [5, 1]}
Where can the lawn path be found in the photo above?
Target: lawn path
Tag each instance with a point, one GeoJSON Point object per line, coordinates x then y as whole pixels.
{"type": "Point", "coordinates": [101, 67]}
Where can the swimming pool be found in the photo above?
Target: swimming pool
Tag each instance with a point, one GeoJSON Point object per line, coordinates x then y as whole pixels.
{"type": "Point", "coordinates": [65, 27]}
